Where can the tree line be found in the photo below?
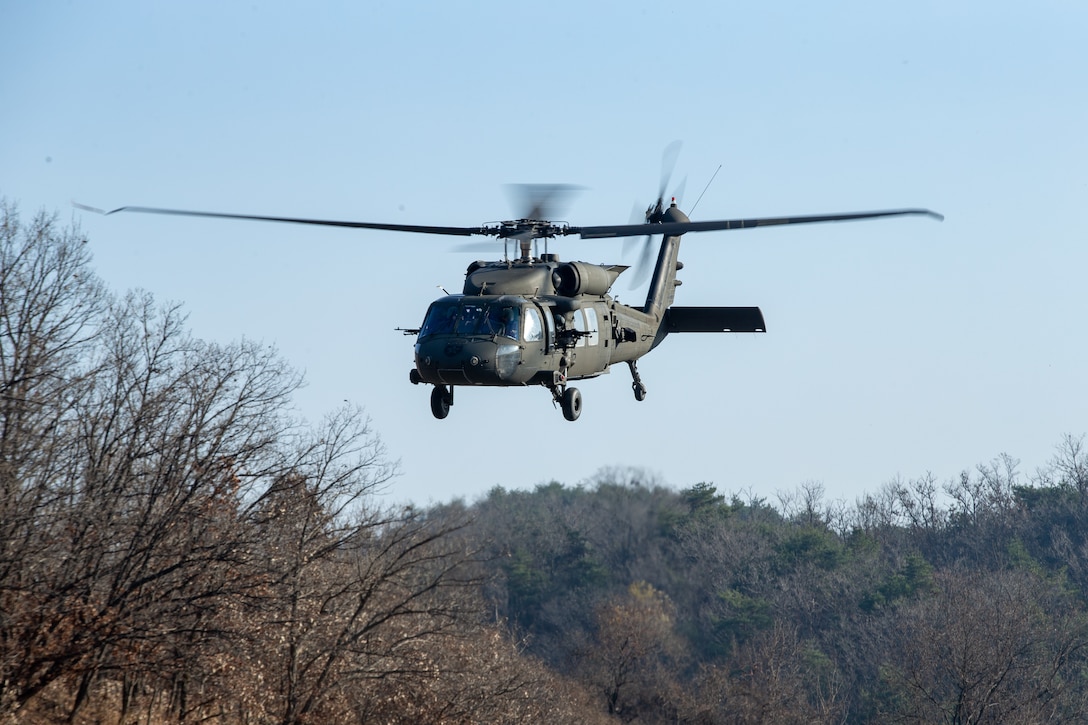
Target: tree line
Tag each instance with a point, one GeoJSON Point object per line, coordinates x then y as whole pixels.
{"type": "Point", "coordinates": [177, 546]}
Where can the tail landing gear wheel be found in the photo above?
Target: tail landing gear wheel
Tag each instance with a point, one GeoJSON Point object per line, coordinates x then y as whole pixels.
{"type": "Point", "coordinates": [572, 404]}
{"type": "Point", "coordinates": [441, 400]}
{"type": "Point", "coordinates": [640, 391]}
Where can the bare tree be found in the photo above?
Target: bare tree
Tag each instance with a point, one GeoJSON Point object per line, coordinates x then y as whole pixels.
{"type": "Point", "coordinates": [775, 678]}
{"type": "Point", "coordinates": [140, 542]}
{"type": "Point", "coordinates": [49, 307]}
{"type": "Point", "coordinates": [172, 534]}
{"type": "Point", "coordinates": [634, 655]}
{"type": "Point", "coordinates": [995, 647]}
{"type": "Point", "coordinates": [351, 592]}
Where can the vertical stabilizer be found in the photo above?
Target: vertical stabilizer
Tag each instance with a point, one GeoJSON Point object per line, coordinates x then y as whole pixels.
{"type": "Point", "coordinates": [663, 284]}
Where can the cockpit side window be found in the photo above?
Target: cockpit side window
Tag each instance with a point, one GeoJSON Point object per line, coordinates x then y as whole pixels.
{"type": "Point", "coordinates": [511, 322]}
{"type": "Point", "coordinates": [534, 328]}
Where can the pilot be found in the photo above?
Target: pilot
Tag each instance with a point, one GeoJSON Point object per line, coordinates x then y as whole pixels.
{"type": "Point", "coordinates": [510, 319]}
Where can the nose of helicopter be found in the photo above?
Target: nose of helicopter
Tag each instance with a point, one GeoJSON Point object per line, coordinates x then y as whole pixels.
{"type": "Point", "coordinates": [456, 361]}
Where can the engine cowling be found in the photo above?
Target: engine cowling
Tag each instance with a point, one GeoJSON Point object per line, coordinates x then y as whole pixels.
{"type": "Point", "coordinates": [580, 278]}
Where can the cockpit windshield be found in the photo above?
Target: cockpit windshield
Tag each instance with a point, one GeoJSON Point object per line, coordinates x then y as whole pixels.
{"type": "Point", "coordinates": [472, 317]}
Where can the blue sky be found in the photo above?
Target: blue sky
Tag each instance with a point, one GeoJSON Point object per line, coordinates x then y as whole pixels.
{"type": "Point", "coordinates": [895, 348]}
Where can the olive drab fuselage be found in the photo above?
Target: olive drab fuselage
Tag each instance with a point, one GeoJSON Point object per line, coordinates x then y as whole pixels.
{"type": "Point", "coordinates": [520, 340]}
{"type": "Point", "coordinates": [539, 321]}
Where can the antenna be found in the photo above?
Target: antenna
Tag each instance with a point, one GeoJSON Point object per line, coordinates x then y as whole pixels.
{"type": "Point", "coordinates": [692, 209]}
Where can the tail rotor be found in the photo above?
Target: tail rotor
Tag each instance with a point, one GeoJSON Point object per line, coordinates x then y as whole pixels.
{"type": "Point", "coordinates": [654, 213]}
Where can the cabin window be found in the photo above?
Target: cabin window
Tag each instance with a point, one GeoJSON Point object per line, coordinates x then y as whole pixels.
{"type": "Point", "coordinates": [585, 321]}
{"type": "Point", "coordinates": [579, 323]}
{"type": "Point", "coordinates": [591, 326]}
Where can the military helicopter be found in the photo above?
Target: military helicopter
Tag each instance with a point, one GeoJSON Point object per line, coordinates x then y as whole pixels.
{"type": "Point", "coordinates": [534, 320]}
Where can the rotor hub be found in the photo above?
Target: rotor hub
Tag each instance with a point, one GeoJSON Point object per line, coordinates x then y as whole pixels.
{"type": "Point", "coordinates": [527, 229]}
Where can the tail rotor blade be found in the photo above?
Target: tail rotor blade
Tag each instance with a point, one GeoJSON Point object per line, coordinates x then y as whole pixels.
{"type": "Point", "coordinates": [653, 214]}
{"type": "Point", "coordinates": [668, 164]}
{"type": "Point", "coordinates": [678, 193]}
{"type": "Point", "coordinates": [638, 248]}
{"type": "Point", "coordinates": [642, 266]}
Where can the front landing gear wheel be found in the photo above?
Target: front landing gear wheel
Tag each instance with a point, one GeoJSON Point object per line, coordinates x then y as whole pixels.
{"type": "Point", "coordinates": [572, 404]}
{"type": "Point", "coordinates": [640, 391]}
{"type": "Point", "coordinates": [441, 400]}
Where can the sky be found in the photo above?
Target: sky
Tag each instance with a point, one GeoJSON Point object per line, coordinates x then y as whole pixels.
{"type": "Point", "coordinates": [895, 348]}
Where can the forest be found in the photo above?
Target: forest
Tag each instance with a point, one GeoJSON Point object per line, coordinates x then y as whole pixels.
{"type": "Point", "coordinates": [177, 546]}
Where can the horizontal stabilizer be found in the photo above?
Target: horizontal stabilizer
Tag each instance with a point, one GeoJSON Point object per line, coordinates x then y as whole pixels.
{"type": "Point", "coordinates": [714, 319]}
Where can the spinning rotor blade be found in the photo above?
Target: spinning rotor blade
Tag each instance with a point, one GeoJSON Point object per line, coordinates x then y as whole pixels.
{"type": "Point", "coordinates": [541, 201]}
{"type": "Point", "coordinates": [644, 264]}
{"type": "Point", "coordinates": [639, 248]}
{"type": "Point", "coordinates": [476, 247]}
{"type": "Point", "coordinates": [420, 229]}
{"type": "Point", "coordinates": [678, 194]}
{"type": "Point", "coordinates": [668, 164]}
{"type": "Point", "coordinates": [673, 228]}
{"type": "Point", "coordinates": [653, 214]}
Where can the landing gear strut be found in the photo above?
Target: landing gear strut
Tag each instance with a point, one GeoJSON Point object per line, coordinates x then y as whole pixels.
{"type": "Point", "coordinates": [570, 399]}
{"type": "Point", "coordinates": [636, 385]}
{"type": "Point", "coordinates": [441, 400]}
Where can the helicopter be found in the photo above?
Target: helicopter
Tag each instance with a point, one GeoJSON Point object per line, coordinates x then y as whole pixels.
{"type": "Point", "coordinates": [533, 320]}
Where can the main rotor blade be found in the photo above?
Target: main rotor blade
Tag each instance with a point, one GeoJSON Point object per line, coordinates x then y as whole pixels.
{"type": "Point", "coordinates": [672, 228]}
{"type": "Point", "coordinates": [421, 229]}
{"type": "Point", "coordinates": [594, 232]}
{"type": "Point", "coordinates": [477, 247]}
